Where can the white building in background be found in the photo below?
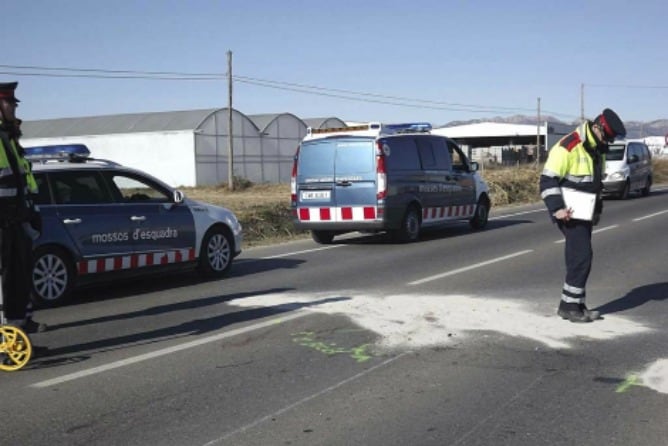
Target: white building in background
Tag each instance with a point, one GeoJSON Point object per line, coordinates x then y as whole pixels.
{"type": "Point", "coordinates": [186, 148]}
{"type": "Point", "coordinates": [505, 143]}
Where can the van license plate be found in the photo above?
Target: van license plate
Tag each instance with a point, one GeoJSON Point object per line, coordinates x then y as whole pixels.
{"type": "Point", "coordinates": [315, 194]}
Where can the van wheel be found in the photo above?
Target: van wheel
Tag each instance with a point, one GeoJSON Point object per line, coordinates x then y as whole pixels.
{"type": "Point", "coordinates": [410, 227]}
{"type": "Point", "coordinates": [645, 190]}
{"type": "Point", "coordinates": [481, 216]}
{"type": "Point", "coordinates": [322, 237]}
{"type": "Point", "coordinates": [624, 194]}
{"type": "Point", "coordinates": [52, 276]}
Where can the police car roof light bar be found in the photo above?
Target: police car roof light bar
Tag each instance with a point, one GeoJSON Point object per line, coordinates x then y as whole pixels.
{"type": "Point", "coordinates": [60, 152]}
{"type": "Point", "coordinates": [409, 127]}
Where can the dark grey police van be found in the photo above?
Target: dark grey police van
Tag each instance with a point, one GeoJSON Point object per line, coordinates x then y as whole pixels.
{"type": "Point", "coordinates": [395, 178]}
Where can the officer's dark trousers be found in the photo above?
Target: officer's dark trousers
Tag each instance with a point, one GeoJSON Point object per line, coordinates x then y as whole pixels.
{"type": "Point", "coordinates": [16, 248]}
{"type": "Point", "coordinates": [578, 255]}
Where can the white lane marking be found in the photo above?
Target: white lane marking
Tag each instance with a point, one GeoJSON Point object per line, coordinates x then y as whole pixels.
{"type": "Point", "coordinates": [499, 217]}
{"type": "Point", "coordinates": [596, 231]}
{"type": "Point", "coordinates": [166, 351]}
{"type": "Point", "coordinates": [304, 400]}
{"type": "Point", "coordinates": [650, 216]}
{"type": "Point", "coordinates": [470, 267]}
{"type": "Point", "coordinates": [288, 254]}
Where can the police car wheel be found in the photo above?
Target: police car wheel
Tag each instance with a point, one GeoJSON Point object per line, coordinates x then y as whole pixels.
{"type": "Point", "coordinates": [52, 276]}
{"type": "Point", "coordinates": [481, 216]}
{"type": "Point", "coordinates": [215, 257]}
{"type": "Point", "coordinates": [410, 227]}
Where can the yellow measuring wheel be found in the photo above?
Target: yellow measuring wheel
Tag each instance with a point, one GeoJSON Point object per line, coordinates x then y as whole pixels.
{"type": "Point", "coordinates": [15, 348]}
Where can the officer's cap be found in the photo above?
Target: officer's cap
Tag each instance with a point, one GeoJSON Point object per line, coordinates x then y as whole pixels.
{"type": "Point", "coordinates": [612, 126]}
{"type": "Point", "coordinates": [7, 91]}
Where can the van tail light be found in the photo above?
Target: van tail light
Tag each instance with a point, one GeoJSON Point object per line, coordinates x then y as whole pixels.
{"type": "Point", "coordinates": [381, 173]}
{"type": "Point", "coordinates": [293, 179]}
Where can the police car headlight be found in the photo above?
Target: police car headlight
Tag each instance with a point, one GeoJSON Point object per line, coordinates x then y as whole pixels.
{"type": "Point", "coordinates": [617, 176]}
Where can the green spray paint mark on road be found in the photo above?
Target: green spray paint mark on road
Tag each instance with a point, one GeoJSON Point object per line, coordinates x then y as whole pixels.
{"type": "Point", "coordinates": [631, 380]}
{"type": "Point", "coordinates": [307, 339]}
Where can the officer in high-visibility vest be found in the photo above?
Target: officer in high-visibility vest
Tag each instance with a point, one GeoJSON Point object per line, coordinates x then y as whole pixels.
{"type": "Point", "coordinates": [19, 218]}
{"type": "Point", "coordinates": [577, 161]}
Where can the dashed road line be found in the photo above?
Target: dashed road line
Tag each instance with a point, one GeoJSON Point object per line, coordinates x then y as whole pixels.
{"type": "Point", "coordinates": [470, 267]}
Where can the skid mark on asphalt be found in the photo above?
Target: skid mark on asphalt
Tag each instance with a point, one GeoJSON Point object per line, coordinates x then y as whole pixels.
{"type": "Point", "coordinates": [407, 321]}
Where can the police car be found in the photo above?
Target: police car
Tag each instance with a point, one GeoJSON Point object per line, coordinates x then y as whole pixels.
{"type": "Point", "coordinates": [395, 178]}
{"type": "Point", "coordinates": [103, 221]}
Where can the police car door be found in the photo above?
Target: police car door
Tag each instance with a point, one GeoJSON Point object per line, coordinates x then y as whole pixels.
{"type": "Point", "coordinates": [159, 225]}
{"type": "Point", "coordinates": [88, 214]}
{"type": "Point", "coordinates": [463, 192]}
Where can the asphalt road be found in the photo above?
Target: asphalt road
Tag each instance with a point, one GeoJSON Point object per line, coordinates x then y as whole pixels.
{"type": "Point", "coordinates": [453, 340]}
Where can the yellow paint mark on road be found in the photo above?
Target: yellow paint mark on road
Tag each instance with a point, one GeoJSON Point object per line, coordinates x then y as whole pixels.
{"type": "Point", "coordinates": [307, 339]}
{"type": "Point", "coordinates": [631, 380]}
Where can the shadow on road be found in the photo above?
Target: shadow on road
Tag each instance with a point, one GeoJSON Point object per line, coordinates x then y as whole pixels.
{"type": "Point", "coordinates": [636, 297]}
{"type": "Point", "coordinates": [82, 351]}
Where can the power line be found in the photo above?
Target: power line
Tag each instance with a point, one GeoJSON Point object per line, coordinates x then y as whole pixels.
{"type": "Point", "coordinates": [94, 73]}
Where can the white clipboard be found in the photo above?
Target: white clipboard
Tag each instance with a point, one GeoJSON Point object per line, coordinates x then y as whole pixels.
{"type": "Point", "coordinates": [581, 203]}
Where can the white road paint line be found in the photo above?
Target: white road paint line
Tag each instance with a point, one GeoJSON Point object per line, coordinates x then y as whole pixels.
{"type": "Point", "coordinates": [596, 231]}
{"type": "Point", "coordinates": [166, 351]}
{"type": "Point", "coordinates": [294, 253]}
{"type": "Point", "coordinates": [468, 268]}
{"type": "Point", "coordinates": [304, 400]}
{"type": "Point", "coordinates": [533, 211]}
{"type": "Point", "coordinates": [649, 216]}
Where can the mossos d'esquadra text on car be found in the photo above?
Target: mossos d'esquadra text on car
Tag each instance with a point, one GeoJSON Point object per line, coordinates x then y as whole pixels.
{"type": "Point", "coordinates": [395, 178]}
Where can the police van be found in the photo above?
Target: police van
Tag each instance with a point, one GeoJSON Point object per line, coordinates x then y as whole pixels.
{"type": "Point", "coordinates": [102, 221]}
{"type": "Point", "coordinates": [395, 178]}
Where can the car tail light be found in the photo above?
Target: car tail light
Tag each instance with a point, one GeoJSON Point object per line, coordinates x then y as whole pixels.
{"type": "Point", "coordinates": [381, 174]}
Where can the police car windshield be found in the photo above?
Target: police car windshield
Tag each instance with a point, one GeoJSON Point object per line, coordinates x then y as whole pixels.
{"type": "Point", "coordinates": [615, 153]}
{"type": "Point", "coordinates": [337, 157]}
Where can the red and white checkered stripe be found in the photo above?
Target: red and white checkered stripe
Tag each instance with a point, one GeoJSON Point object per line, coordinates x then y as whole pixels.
{"type": "Point", "coordinates": [346, 213]}
{"type": "Point", "coordinates": [117, 263]}
{"type": "Point", "coordinates": [430, 215]}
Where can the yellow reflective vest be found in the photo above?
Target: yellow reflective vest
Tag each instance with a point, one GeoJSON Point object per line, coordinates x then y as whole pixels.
{"type": "Point", "coordinates": [573, 162]}
{"type": "Point", "coordinates": [8, 180]}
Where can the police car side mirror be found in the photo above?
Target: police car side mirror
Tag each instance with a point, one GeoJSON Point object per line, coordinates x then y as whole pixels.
{"type": "Point", "coordinates": [178, 197]}
{"type": "Point", "coordinates": [473, 166]}
{"type": "Point", "coordinates": [633, 159]}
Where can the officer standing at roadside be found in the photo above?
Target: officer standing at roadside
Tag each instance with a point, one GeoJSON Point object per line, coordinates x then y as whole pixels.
{"type": "Point", "coordinates": [577, 162]}
{"type": "Point", "coordinates": [19, 219]}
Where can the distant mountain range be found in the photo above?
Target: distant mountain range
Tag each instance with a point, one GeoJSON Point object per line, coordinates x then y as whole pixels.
{"type": "Point", "coordinates": [634, 129]}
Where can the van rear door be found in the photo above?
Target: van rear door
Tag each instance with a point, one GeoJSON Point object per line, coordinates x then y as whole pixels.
{"type": "Point", "coordinates": [336, 174]}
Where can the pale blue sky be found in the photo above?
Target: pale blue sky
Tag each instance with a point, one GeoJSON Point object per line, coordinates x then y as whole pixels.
{"type": "Point", "coordinates": [453, 60]}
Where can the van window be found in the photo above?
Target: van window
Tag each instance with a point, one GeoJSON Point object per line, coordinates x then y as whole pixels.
{"type": "Point", "coordinates": [426, 154]}
{"type": "Point", "coordinates": [458, 160]}
{"type": "Point", "coordinates": [403, 154]}
{"type": "Point", "coordinates": [441, 153]}
{"type": "Point", "coordinates": [615, 152]}
{"type": "Point", "coordinates": [321, 160]}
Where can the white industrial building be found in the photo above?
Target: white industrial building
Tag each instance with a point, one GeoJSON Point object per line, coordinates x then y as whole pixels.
{"type": "Point", "coordinates": [505, 143]}
{"type": "Point", "coordinates": [186, 148]}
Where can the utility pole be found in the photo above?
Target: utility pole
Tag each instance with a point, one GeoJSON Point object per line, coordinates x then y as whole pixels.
{"type": "Point", "coordinates": [230, 150]}
{"type": "Point", "coordinates": [537, 154]}
{"type": "Point", "coordinates": [582, 102]}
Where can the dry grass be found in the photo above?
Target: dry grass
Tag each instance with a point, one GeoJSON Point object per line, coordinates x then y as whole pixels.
{"type": "Point", "coordinates": [264, 209]}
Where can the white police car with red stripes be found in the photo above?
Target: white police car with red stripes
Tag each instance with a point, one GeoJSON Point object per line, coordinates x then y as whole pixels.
{"type": "Point", "coordinates": [102, 221]}
{"type": "Point", "coordinates": [396, 178]}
